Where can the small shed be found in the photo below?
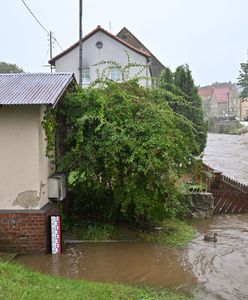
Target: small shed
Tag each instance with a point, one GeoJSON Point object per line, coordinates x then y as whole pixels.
{"type": "Point", "coordinates": [24, 167]}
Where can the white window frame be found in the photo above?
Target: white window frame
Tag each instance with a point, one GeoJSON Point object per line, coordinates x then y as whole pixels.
{"type": "Point", "coordinates": [86, 76]}
{"type": "Point", "coordinates": [115, 74]}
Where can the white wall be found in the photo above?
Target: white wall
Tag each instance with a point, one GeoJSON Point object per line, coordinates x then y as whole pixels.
{"type": "Point", "coordinates": [111, 50]}
{"type": "Point", "coordinates": [24, 169]}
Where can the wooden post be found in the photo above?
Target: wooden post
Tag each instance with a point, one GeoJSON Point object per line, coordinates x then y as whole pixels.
{"type": "Point", "coordinates": [216, 181]}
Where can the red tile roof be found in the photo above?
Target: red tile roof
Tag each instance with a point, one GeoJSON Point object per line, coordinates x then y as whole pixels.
{"type": "Point", "coordinates": [99, 28]}
{"type": "Point", "coordinates": [205, 92]}
{"type": "Point", "coordinates": [221, 94]}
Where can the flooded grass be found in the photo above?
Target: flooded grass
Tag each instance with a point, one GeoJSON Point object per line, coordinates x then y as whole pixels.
{"type": "Point", "coordinates": [16, 282]}
{"type": "Point", "coordinates": [176, 233]}
{"type": "Point", "coordinates": [96, 232]}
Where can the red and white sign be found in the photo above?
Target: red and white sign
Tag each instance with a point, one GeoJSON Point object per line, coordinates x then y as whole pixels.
{"type": "Point", "coordinates": [55, 235]}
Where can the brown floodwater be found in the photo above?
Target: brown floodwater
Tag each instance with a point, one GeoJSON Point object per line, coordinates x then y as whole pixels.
{"type": "Point", "coordinates": [205, 270]}
{"type": "Point", "coordinates": [229, 154]}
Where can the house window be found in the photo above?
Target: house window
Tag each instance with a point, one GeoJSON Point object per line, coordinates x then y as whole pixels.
{"type": "Point", "coordinates": [115, 74]}
{"type": "Point", "coordinates": [86, 76]}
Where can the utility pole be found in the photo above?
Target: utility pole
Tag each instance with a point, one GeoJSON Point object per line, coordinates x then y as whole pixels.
{"type": "Point", "coordinates": [80, 43]}
{"type": "Point", "coordinates": [51, 48]}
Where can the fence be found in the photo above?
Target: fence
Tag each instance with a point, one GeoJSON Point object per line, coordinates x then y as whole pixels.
{"type": "Point", "coordinates": [230, 196]}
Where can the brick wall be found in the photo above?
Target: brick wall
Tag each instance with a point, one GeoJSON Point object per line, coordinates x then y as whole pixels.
{"type": "Point", "coordinates": [26, 231]}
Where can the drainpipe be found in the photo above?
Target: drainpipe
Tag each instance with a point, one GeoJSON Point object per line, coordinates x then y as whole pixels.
{"type": "Point", "coordinates": [80, 43]}
{"type": "Point", "coordinates": [147, 70]}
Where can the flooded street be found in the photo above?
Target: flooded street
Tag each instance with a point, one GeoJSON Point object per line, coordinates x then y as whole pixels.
{"type": "Point", "coordinates": [205, 270]}
{"type": "Point", "coordinates": [229, 154]}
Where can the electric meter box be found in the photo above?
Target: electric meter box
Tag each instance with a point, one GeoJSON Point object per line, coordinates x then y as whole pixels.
{"type": "Point", "coordinates": [57, 187]}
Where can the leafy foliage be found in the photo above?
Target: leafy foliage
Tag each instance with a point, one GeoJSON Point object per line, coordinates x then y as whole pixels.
{"type": "Point", "coordinates": [123, 150]}
{"type": "Point", "coordinates": [138, 69]}
{"type": "Point", "coordinates": [9, 68]}
{"type": "Point", "coordinates": [184, 100]}
{"type": "Point", "coordinates": [243, 79]}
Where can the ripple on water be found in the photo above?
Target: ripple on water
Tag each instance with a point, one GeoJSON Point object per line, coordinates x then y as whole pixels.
{"type": "Point", "coordinates": [221, 268]}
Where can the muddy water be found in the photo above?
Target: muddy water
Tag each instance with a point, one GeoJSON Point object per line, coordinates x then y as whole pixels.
{"type": "Point", "coordinates": [138, 263]}
{"type": "Point", "coordinates": [221, 268]}
{"type": "Point", "coordinates": [203, 269]}
{"type": "Point", "coordinates": [229, 154]}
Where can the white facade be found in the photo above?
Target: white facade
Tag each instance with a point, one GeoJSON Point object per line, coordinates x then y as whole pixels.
{"type": "Point", "coordinates": [111, 50]}
{"type": "Point", "coordinates": [24, 166]}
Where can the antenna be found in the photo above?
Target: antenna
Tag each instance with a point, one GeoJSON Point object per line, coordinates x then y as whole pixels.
{"type": "Point", "coordinates": [110, 26]}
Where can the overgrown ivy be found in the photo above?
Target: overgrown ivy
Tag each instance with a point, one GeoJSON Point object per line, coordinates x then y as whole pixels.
{"type": "Point", "coordinates": [123, 149]}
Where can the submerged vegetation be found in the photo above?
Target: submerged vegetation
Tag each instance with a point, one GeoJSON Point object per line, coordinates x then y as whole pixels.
{"type": "Point", "coordinates": [16, 282]}
{"type": "Point", "coordinates": [170, 232]}
{"type": "Point", "coordinates": [174, 233]}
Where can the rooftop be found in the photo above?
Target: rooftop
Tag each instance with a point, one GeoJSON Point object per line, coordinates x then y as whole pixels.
{"type": "Point", "coordinates": [33, 88]}
{"type": "Point", "coordinates": [97, 29]}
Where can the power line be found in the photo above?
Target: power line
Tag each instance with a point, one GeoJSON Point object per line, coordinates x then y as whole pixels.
{"type": "Point", "coordinates": [48, 32]}
{"type": "Point", "coordinates": [35, 17]}
{"type": "Point", "coordinates": [57, 43]}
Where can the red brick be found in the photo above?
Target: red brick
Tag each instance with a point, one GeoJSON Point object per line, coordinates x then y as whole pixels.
{"type": "Point", "coordinates": [25, 232]}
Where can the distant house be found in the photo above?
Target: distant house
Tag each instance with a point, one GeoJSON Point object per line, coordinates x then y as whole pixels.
{"type": "Point", "coordinates": [24, 171]}
{"type": "Point", "coordinates": [156, 67]}
{"type": "Point", "coordinates": [220, 100]}
{"type": "Point", "coordinates": [244, 110]}
{"type": "Point", "coordinates": [206, 94]}
{"type": "Point", "coordinates": [101, 45]}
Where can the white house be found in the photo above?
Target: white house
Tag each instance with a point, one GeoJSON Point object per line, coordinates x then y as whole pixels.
{"type": "Point", "coordinates": [24, 167]}
{"type": "Point", "coordinates": [101, 45]}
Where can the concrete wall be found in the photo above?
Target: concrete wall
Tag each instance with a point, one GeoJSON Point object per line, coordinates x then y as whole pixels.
{"type": "Point", "coordinates": [111, 50]}
{"type": "Point", "coordinates": [24, 169]}
{"type": "Point", "coordinates": [223, 126]}
{"type": "Point", "coordinates": [201, 204]}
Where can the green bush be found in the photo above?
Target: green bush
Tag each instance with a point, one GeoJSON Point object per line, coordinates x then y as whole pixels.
{"type": "Point", "coordinates": [123, 148]}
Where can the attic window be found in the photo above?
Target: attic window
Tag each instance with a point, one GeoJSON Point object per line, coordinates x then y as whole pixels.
{"type": "Point", "coordinates": [99, 45]}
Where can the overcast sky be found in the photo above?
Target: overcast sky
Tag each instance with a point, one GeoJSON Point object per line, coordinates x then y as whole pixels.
{"type": "Point", "coordinates": [209, 35]}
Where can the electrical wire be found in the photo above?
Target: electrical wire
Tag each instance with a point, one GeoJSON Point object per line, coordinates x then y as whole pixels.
{"type": "Point", "coordinates": [35, 17]}
{"type": "Point", "coordinates": [41, 24]}
{"type": "Point", "coordinates": [57, 43]}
